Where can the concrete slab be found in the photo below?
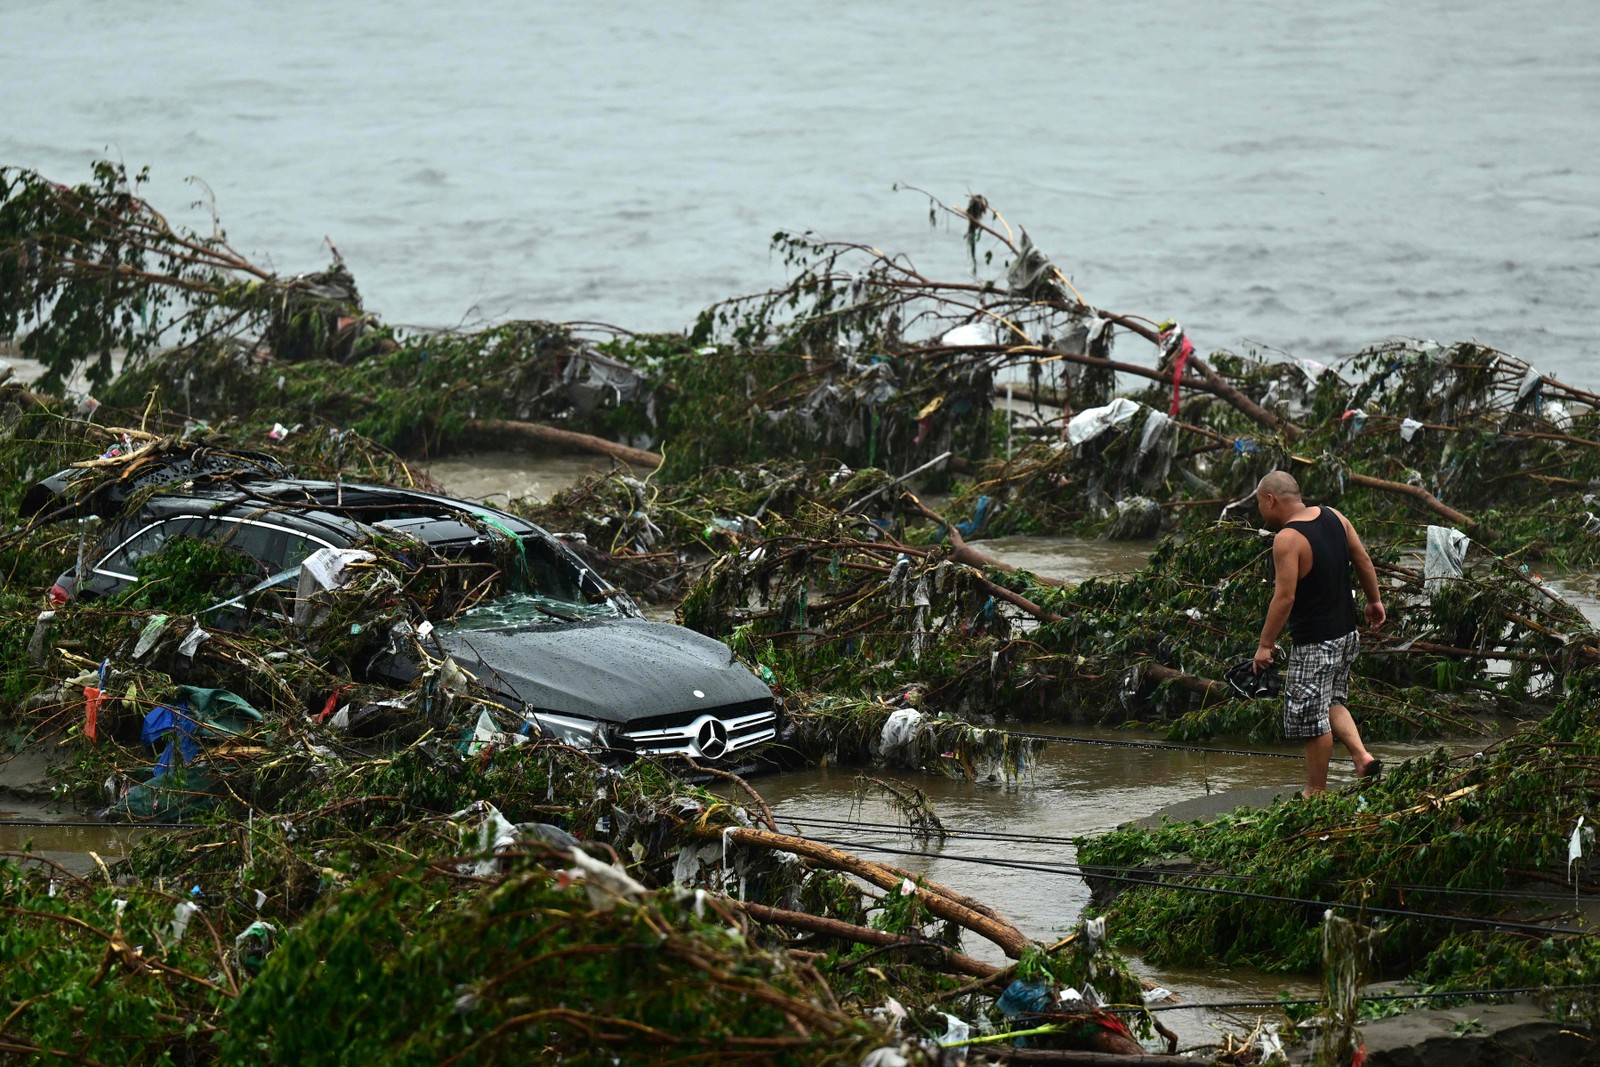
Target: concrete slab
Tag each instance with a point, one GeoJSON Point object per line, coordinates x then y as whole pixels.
{"type": "Point", "coordinates": [1480, 1035]}
{"type": "Point", "coordinates": [1208, 807]}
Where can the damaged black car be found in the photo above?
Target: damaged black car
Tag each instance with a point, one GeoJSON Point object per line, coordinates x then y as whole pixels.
{"type": "Point", "coordinates": [555, 643]}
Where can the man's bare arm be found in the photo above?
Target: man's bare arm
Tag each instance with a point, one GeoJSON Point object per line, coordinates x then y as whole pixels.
{"type": "Point", "coordinates": [1286, 569]}
{"type": "Point", "coordinates": [1365, 573]}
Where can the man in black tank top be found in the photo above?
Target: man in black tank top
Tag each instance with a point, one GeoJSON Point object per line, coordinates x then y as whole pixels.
{"type": "Point", "coordinates": [1313, 555]}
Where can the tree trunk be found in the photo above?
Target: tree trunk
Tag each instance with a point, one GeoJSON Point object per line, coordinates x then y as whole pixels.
{"type": "Point", "coordinates": [533, 431]}
{"type": "Point", "coordinates": [1010, 940]}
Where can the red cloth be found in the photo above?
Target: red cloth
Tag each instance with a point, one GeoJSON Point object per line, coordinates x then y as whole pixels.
{"type": "Point", "coordinates": [1185, 350]}
{"type": "Point", "coordinates": [333, 702]}
{"type": "Point", "coordinates": [91, 713]}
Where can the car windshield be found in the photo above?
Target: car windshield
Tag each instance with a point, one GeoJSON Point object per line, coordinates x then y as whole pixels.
{"type": "Point", "coordinates": [522, 609]}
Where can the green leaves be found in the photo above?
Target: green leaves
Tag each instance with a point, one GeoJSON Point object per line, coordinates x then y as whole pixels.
{"type": "Point", "coordinates": [93, 271]}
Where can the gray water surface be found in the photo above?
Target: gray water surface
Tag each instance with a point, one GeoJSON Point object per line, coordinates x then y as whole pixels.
{"type": "Point", "coordinates": [1312, 176]}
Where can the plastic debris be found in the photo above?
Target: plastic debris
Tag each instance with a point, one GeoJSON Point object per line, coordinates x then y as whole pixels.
{"type": "Point", "coordinates": [1094, 934]}
{"type": "Point", "coordinates": [1089, 424]}
{"type": "Point", "coordinates": [956, 1032]}
{"type": "Point", "coordinates": [1443, 558]}
{"type": "Point", "coordinates": [1026, 998]}
{"type": "Point", "coordinates": [154, 627]}
{"type": "Point", "coordinates": [605, 883]}
{"type": "Point", "coordinates": [92, 696]}
{"type": "Point", "coordinates": [1409, 428]}
{"type": "Point", "coordinates": [41, 634]}
{"type": "Point", "coordinates": [496, 836]}
{"type": "Point", "coordinates": [1269, 1043]}
{"type": "Point", "coordinates": [191, 642]}
{"type": "Point", "coordinates": [1155, 425]}
{"type": "Point", "coordinates": [898, 742]}
{"type": "Point", "coordinates": [1177, 348]}
{"type": "Point", "coordinates": [329, 568]}
{"type": "Point", "coordinates": [251, 946]}
{"type": "Point", "coordinates": [324, 570]}
{"type": "Point", "coordinates": [182, 912]}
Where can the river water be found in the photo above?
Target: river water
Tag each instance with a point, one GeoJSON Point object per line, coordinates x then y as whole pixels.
{"type": "Point", "coordinates": [1311, 176]}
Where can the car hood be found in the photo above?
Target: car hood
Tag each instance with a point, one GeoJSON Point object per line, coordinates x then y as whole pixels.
{"type": "Point", "coordinates": [617, 670]}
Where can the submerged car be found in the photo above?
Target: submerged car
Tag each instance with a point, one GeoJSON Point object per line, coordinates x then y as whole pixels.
{"type": "Point", "coordinates": [558, 645]}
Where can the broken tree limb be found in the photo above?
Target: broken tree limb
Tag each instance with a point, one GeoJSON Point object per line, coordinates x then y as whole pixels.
{"type": "Point", "coordinates": [843, 931]}
{"type": "Point", "coordinates": [889, 485]}
{"type": "Point", "coordinates": [1010, 940]}
{"type": "Point", "coordinates": [965, 553]}
{"type": "Point", "coordinates": [1206, 687]}
{"type": "Point", "coordinates": [1208, 382]}
{"type": "Point", "coordinates": [1221, 387]}
{"type": "Point", "coordinates": [549, 435]}
{"type": "Point", "coordinates": [1416, 492]}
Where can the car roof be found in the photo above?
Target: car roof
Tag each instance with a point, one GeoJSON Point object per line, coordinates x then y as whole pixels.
{"type": "Point", "coordinates": [348, 510]}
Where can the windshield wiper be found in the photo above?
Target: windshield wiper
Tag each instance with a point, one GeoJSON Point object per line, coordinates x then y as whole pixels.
{"type": "Point", "coordinates": [554, 614]}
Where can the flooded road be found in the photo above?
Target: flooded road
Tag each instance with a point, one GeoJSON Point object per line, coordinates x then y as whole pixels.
{"type": "Point", "coordinates": [1010, 846]}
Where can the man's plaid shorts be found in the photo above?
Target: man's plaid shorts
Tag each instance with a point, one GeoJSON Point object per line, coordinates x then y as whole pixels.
{"type": "Point", "coordinates": [1318, 678]}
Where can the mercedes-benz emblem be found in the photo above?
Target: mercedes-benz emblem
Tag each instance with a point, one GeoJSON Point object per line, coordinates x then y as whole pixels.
{"type": "Point", "coordinates": [712, 739]}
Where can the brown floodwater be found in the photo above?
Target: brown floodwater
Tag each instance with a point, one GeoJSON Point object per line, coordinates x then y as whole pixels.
{"type": "Point", "coordinates": [1019, 857]}
{"type": "Point", "coordinates": [496, 477]}
{"type": "Point", "coordinates": [56, 838]}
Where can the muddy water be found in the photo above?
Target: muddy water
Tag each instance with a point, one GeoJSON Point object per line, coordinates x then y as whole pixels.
{"type": "Point", "coordinates": [496, 477]}
{"type": "Point", "coordinates": [1068, 558]}
{"type": "Point", "coordinates": [1019, 856]}
{"type": "Point", "coordinates": [61, 839]}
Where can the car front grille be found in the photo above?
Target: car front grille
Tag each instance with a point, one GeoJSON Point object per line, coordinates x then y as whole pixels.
{"type": "Point", "coordinates": [710, 735]}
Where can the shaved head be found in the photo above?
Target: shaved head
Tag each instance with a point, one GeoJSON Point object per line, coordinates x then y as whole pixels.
{"type": "Point", "coordinates": [1280, 484]}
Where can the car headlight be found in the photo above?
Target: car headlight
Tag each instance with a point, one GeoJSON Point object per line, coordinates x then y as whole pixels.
{"type": "Point", "coordinates": [579, 733]}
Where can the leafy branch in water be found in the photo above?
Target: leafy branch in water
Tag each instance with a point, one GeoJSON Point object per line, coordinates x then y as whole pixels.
{"type": "Point", "coordinates": [93, 270]}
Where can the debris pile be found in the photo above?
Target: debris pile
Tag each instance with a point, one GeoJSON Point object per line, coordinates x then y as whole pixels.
{"type": "Point", "coordinates": [809, 476]}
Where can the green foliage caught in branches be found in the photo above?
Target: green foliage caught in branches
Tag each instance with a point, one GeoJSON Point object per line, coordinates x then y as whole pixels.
{"type": "Point", "coordinates": [91, 270]}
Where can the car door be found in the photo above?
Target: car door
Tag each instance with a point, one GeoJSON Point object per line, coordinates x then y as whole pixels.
{"type": "Point", "coordinates": [131, 542]}
{"type": "Point", "coordinates": [278, 549]}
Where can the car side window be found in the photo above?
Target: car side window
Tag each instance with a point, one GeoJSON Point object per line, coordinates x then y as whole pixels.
{"type": "Point", "coordinates": [296, 548]}
{"type": "Point", "coordinates": [123, 560]}
{"type": "Point", "coordinates": [274, 547]}
{"type": "Point", "coordinates": [264, 544]}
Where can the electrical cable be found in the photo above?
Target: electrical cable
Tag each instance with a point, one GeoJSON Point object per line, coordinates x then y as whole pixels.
{"type": "Point", "coordinates": [1163, 746]}
{"type": "Point", "coordinates": [900, 830]}
{"type": "Point", "coordinates": [1307, 1002]}
{"type": "Point", "coordinates": [1074, 869]}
